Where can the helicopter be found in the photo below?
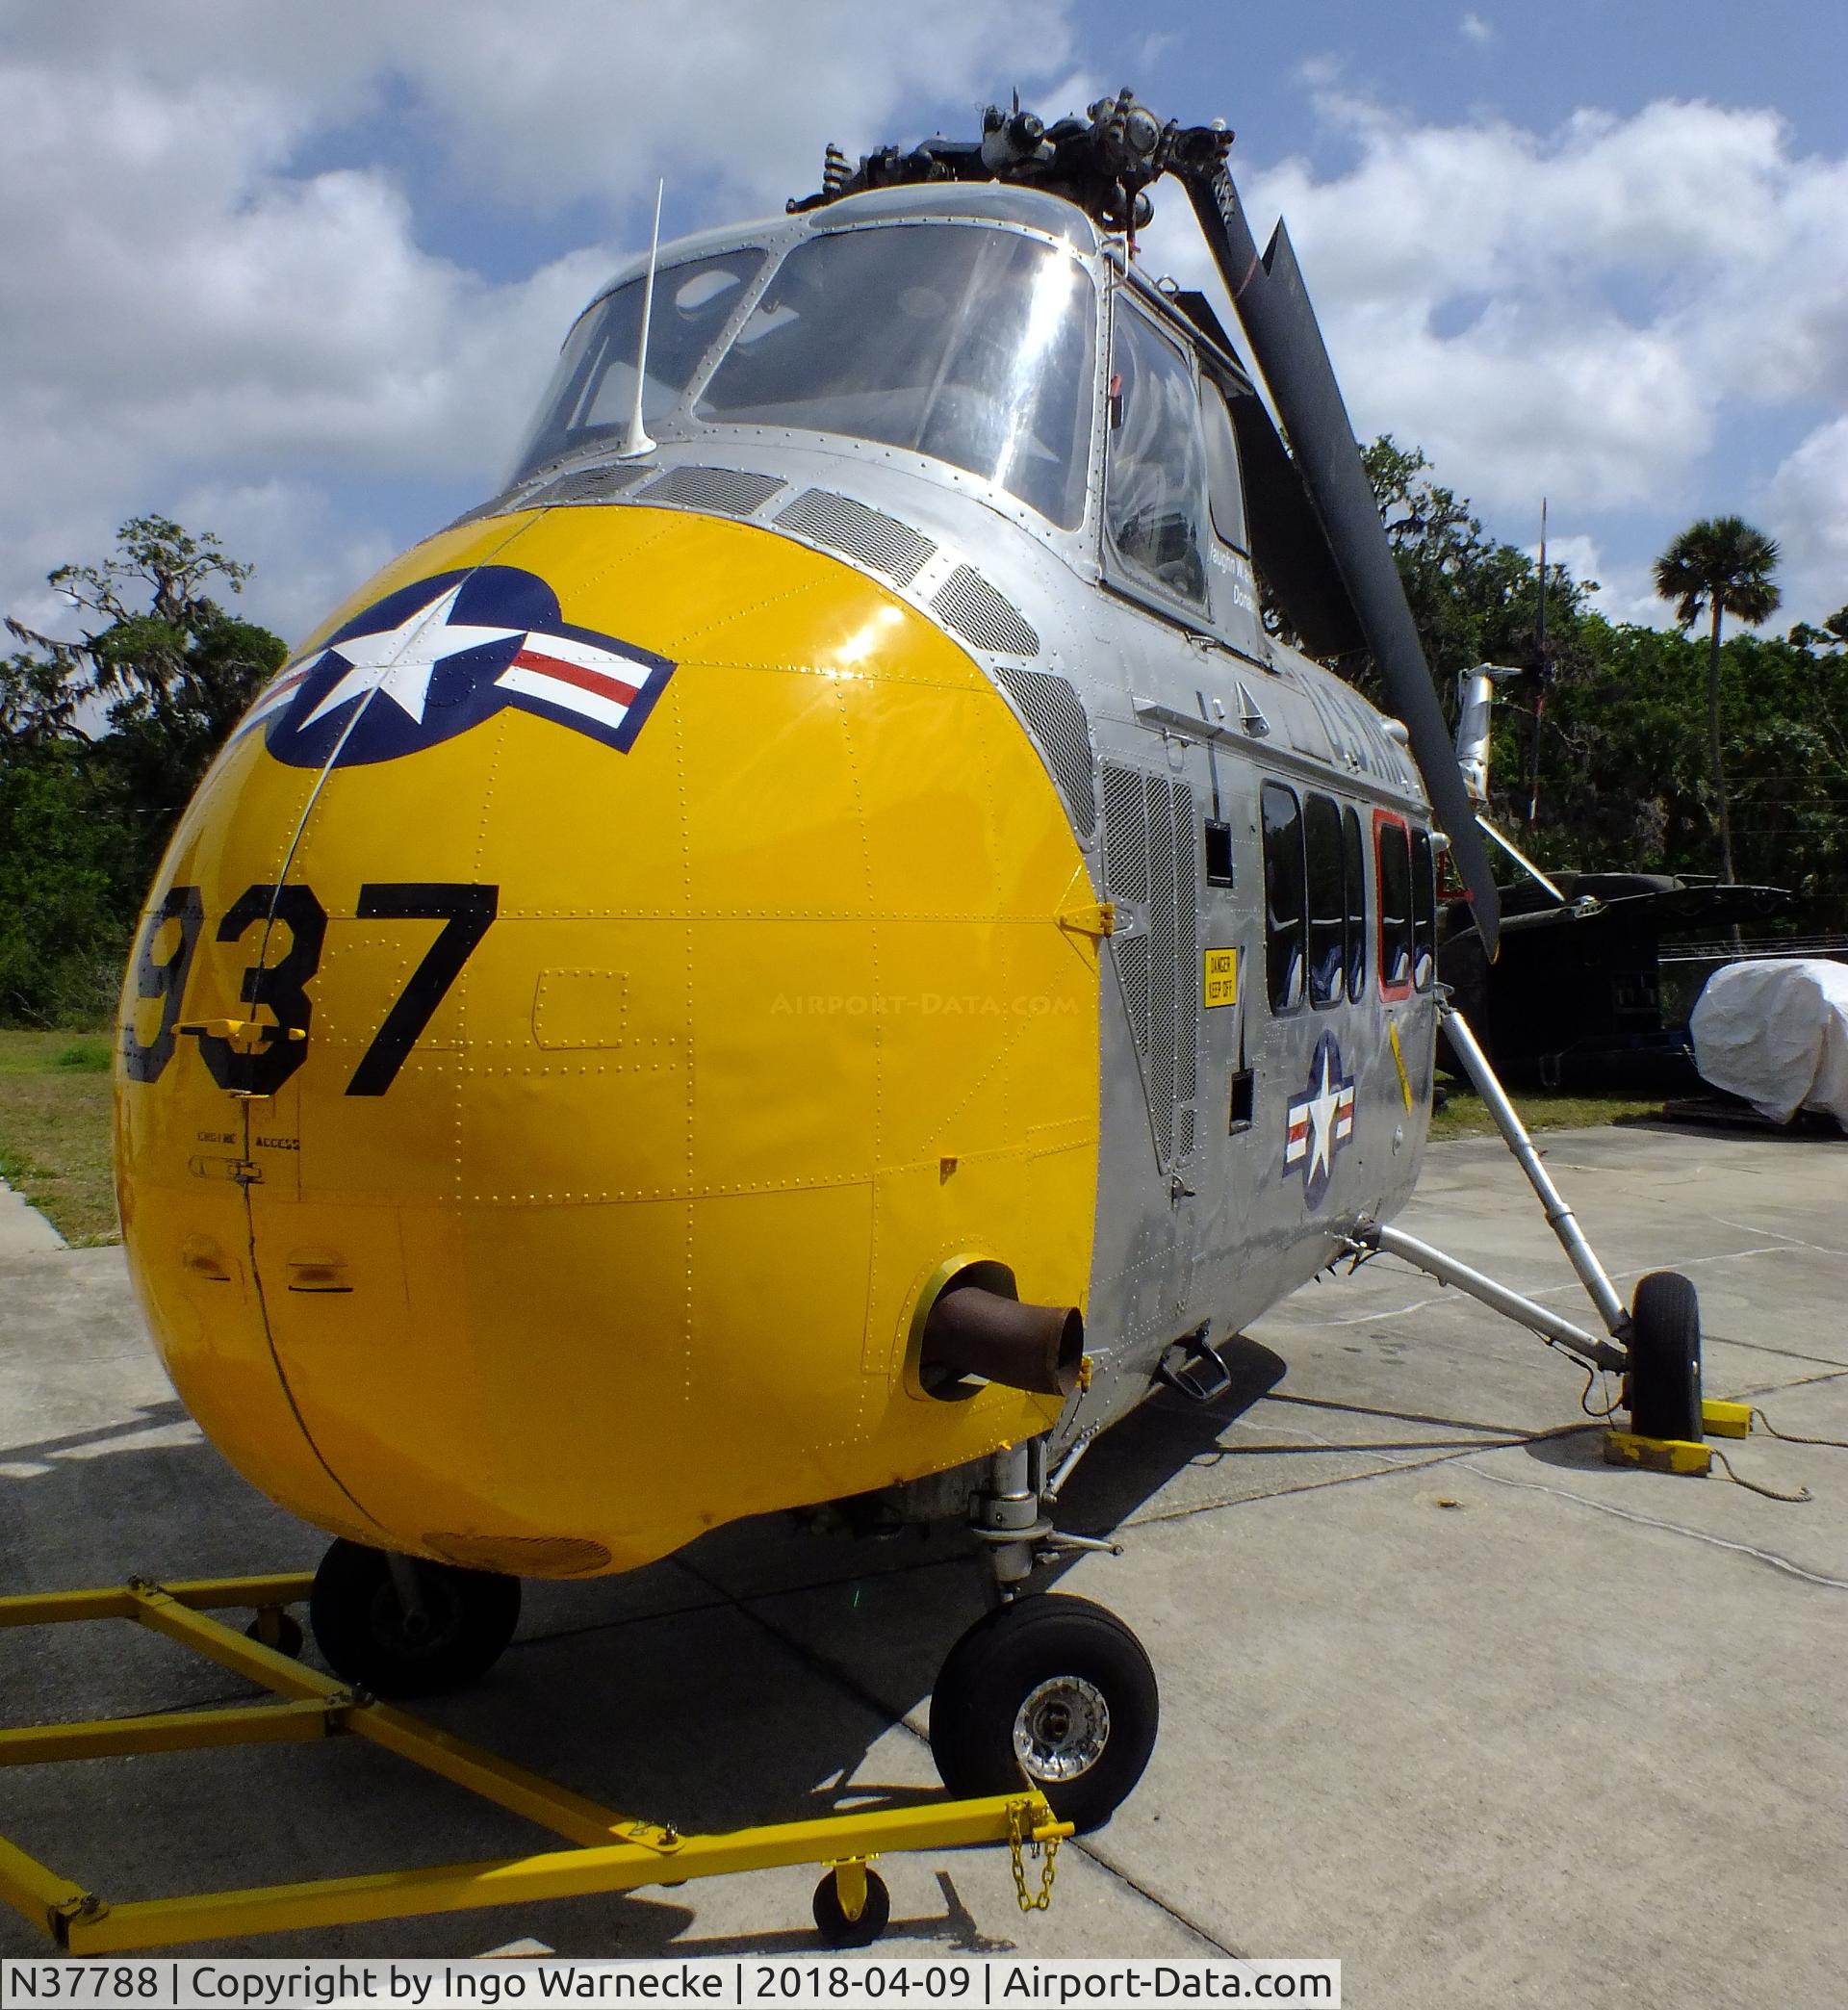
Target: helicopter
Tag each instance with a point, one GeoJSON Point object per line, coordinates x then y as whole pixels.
{"type": "Point", "coordinates": [815, 947]}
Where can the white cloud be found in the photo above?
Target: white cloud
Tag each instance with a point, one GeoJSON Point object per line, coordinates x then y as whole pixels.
{"type": "Point", "coordinates": [1621, 592]}
{"type": "Point", "coordinates": [189, 323]}
{"type": "Point", "coordinates": [1573, 313]}
{"type": "Point", "coordinates": [1473, 28]}
{"type": "Point", "coordinates": [1807, 510]}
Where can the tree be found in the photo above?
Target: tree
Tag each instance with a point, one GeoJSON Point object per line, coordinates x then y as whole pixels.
{"type": "Point", "coordinates": [171, 670]}
{"type": "Point", "coordinates": [1724, 565]}
{"type": "Point", "coordinates": [102, 742]}
{"type": "Point", "coordinates": [1831, 636]}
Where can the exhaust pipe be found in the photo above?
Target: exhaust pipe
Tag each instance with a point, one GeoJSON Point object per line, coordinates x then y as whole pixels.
{"type": "Point", "coordinates": [973, 1330]}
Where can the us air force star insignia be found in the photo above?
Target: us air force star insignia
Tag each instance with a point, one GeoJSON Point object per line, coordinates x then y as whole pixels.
{"type": "Point", "coordinates": [432, 660]}
{"type": "Point", "coordinates": [1321, 1121]}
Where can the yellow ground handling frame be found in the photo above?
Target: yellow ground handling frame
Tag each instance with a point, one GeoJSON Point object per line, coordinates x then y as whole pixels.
{"type": "Point", "coordinates": [611, 1852]}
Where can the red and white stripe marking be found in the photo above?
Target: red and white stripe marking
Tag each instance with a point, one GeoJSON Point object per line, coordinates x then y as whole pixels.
{"type": "Point", "coordinates": [575, 675]}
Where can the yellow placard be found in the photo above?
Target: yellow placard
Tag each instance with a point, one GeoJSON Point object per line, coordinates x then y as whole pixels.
{"type": "Point", "coordinates": [1219, 985]}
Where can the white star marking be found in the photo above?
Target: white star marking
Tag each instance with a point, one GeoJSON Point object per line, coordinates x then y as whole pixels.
{"type": "Point", "coordinates": [401, 660]}
{"type": "Point", "coordinates": [1321, 1108]}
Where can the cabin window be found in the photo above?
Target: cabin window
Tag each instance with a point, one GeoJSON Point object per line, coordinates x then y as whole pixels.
{"type": "Point", "coordinates": [1424, 912]}
{"type": "Point", "coordinates": [1328, 901]}
{"type": "Point", "coordinates": [1354, 855]}
{"type": "Point", "coordinates": [1224, 486]}
{"type": "Point", "coordinates": [1285, 910]}
{"type": "Point", "coordinates": [1156, 479]}
{"type": "Point", "coordinates": [1394, 905]}
{"type": "Point", "coordinates": [975, 347]}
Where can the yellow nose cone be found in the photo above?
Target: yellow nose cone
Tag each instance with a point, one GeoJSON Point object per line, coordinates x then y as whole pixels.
{"type": "Point", "coordinates": [670, 938]}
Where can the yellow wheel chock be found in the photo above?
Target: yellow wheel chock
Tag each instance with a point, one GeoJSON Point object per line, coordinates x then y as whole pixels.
{"type": "Point", "coordinates": [1729, 1420]}
{"type": "Point", "coordinates": [611, 1852]}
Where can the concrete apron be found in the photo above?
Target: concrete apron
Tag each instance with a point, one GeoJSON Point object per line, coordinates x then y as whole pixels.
{"type": "Point", "coordinates": [1483, 1717]}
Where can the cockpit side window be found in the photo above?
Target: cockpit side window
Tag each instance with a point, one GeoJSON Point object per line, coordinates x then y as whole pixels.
{"type": "Point", "coordinates": [1155, 483]}
{"type": "Point", "coordinates": [593, 389]}
{"type": "Point", "coordinates": [1224, 484]}
{"type": "Point", "coordinates": [973, 345]}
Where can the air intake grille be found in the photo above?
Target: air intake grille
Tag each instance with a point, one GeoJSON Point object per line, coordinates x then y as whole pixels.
{"type": "Point", "coordinates": [1162, 952]}
{"type": "Point", "coordinates": [1057, 721]}
{"type": "Point", "coordinates": [978, 614]}
{"type": "Point", "coordinates": [869, 535]}
{"type": "Point", "coordinates": [1132, 967]}
{"type": "Point", "coordinates": [587, 486]}
{"type": "Point", "coordinates": [1151, 862]}
{"type": "Point", "coordinates": [1125, 835]}
{"type": "Point", "coordinates": [1187, 950]}
{"type": "Point", "coordinates": [722, 491]}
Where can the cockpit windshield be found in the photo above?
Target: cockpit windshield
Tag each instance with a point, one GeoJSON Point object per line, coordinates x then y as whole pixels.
{"type": "Point", "coordinates": [970, 345]}
{"type": "Point", "coordinates": [966, 343]}
{"type": "Point", "coordinates": [593, 389]}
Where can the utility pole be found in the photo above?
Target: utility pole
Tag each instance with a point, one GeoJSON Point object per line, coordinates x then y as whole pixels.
{"type": "Point", "coordinates": [1540, 695]}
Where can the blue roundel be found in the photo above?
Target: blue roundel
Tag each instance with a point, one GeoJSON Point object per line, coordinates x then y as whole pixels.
{"type": "Point", "coordinates": [431, 659]}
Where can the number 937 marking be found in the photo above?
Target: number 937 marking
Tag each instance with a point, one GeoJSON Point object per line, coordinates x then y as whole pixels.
{"type": "Point", "coordinates": [255, 1057]}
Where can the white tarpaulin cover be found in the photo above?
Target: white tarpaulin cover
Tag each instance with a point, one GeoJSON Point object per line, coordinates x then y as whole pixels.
{"type": "Point", "coordinates": [1775, 1033]}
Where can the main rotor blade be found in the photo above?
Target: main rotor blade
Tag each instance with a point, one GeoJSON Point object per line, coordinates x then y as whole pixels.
{"type": "Point", "coordinates": [1287, 345]}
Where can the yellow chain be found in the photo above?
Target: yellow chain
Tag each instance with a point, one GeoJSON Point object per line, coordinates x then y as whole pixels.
{"type": "Point", "coordinates": [1048, 1854]}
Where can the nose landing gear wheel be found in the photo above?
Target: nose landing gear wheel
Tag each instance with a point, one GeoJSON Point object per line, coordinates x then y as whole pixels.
{"type": "Point", "coordinates": [1053, 1689]}
{"type": "Point", "coordinates": [369, 1637]}
{"type": "Point", "coordinates": [831, 1923]}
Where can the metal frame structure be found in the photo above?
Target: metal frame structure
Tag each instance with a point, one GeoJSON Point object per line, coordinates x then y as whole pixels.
{"type": "Point", "coordinates": [611, 1852]}
{"type": "Point", "coordinates": [1369, 1237]}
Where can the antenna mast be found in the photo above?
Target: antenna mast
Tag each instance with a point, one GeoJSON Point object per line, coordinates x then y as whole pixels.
{"type": "Point", "coordinates": [636, 441]}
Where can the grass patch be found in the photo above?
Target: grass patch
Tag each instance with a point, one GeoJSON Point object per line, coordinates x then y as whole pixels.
{"type": "Point", "coordinates": [54, 1131]}
{"type": "Point", "coordinates": [1464, 1116]}
{"type": "Point", "coordinates": [87, 1056]}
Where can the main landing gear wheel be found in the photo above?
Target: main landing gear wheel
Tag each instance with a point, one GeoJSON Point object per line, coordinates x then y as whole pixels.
{"type": "Point", "coordinates": [1053, 1689]}
{"type": "Point", "coordinates": [1663, 1387]}
{"type": "Point", "coordinates": [369, 1637]}
{"type": "Point", "coordinates": [832, 1922]}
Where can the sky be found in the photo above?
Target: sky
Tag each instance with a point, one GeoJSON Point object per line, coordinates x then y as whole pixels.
{"type": "Point", "coordinates": [296, 275]}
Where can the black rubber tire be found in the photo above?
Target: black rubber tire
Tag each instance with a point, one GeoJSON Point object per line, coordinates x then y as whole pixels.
{"type": "Point", "coordinates": [836, 1929]}
{"type": "Point", "coordinates": [1665, 1380]}
{"type": "Point", "coordinates": [992, 1671]}
{"type": "Point", "coordinates": [360, 1624]}
{"type": "Point", "coordinates": [289, 1635]}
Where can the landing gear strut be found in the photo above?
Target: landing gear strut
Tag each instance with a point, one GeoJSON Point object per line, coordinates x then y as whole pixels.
{"type": "Point", "coordinates": [1047, 1688]}
{"type": "Point", "coordinates": [1654, 1344]}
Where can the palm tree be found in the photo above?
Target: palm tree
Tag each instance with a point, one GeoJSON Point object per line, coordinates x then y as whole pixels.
{"type": "Point", "coordinates": [1723, 564]}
